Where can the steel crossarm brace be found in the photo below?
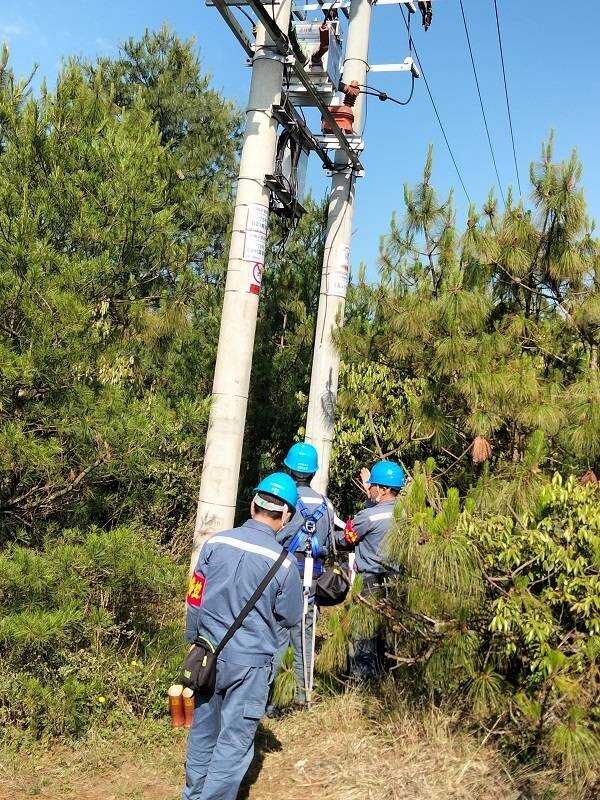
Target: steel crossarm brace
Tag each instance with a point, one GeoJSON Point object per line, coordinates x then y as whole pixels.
{"type": "Point", "coordinates": [337, 131]}
{"type": "Point", "coordinates": [234, 26]}
{"type": "Point", "coordinates": [282, 44]}
{"type": "Point", "coordinates": [287, 111]}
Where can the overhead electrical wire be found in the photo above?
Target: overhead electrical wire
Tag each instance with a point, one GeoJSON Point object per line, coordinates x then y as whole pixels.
{"type": "Point", "coordinates": [512, 135]}
{"type": "Point", "coordinates": [437, 114]}
{"type": "Point", "coordinates": [485, 122]}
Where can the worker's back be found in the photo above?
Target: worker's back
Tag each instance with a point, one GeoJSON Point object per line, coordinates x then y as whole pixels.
{"type": "Point", "coordinates": [231, 566]}
{"type": "Point", "coordinates": [309, 502]}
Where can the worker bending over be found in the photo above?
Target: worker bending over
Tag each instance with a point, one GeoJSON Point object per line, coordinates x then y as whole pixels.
{"type": "Point", "coordinates": [309, 534]}
{"type": "Point", "coordinates": [231, 566]}
{"type": "Point", "coordinates": [367, 534]}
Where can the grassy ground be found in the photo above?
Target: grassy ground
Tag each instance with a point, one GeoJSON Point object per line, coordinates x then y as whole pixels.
{"type": "Point", "coordinates": [336, 752]}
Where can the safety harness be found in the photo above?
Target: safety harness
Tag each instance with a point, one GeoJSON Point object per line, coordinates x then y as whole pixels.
{"type": "Point", "coordinates": [305, 540]}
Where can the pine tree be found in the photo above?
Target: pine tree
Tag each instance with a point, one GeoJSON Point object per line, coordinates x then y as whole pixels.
{"type": "Point", "coordinates": [479, 341]}
{"type": "Point", "coordinates": [112, 230]}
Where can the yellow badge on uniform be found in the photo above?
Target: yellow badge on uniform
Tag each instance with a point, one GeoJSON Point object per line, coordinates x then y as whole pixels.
{"type": "Point", "coordinates": [195, 590]}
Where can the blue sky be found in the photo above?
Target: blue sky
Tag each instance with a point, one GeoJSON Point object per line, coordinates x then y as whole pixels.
{"type": "Point", "coordinates": [553, 63]}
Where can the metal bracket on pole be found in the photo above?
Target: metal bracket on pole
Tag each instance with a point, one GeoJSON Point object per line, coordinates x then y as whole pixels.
{"type": "Point", "coordinates": [408, 65]}
{"type": "Point", "coordinates": [282, 43]}
{"type": "Point", "coordinates": [296, 12]}
{"type": "Point", "coordinates": [234, 26]}
{"type": "Point", "coordinates": [331, 143]}
{"type": "Point", "coordinates": [412, 6]}
{"type": "Point", "coordinates": [344, 5]}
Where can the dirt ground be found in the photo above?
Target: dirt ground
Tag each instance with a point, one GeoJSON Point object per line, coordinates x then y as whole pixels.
{"type": "Point", "coordinates": [334, 752]}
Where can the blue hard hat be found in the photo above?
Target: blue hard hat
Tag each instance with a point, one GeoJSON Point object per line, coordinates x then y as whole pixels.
{"type": "Point", "coordinates": [280, 485]}
{"type": "Point", "coordinates": [302, 457]}
{"type": "Point", "coordinates": [387, 473]}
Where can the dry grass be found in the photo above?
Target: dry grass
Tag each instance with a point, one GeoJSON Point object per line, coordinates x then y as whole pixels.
{"type": "Point", "coordinates": [335, 752]}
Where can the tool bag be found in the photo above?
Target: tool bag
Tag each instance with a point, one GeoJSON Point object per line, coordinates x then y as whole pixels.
{"type": "Point", "coordinates": [200, 666]}
{"type": "Point", "coordinates": [332, 587]}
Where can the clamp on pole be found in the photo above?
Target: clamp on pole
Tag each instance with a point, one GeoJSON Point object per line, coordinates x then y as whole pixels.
{"type": "Point", "coordinates": [269, 52]}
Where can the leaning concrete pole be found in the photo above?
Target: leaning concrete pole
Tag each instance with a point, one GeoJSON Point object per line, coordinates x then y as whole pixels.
{"type": "Point", "coordinates": [336, 260]}
{"type": "Point", "coordinates": [220, 471]}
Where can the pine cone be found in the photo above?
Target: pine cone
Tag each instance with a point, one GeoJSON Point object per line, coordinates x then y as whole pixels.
{"type": "Point", "coordinates": [482, 450]}
{"type": "Point", "coordinates": [588, 478]}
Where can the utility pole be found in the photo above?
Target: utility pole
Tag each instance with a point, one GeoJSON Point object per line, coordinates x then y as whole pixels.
{"type": "Point", "coordinates": [336, 259]}
{"type": "Point", "coordinates": [220, 471]}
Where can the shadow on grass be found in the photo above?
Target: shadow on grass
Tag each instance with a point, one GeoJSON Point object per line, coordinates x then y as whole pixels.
{"type": "Point", "coordinates": [266, 742]}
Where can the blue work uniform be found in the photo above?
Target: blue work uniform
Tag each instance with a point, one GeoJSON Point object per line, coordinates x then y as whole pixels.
{"type": "Point", "coordinates": [310, 502]}
{"type": "Point", "coordinates": [367, 532]}
{"type": "Point", "coordinates": [231, 565]}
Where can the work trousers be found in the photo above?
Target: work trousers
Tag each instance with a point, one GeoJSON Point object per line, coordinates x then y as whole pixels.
{"type": "Point", "coordinates": [367, 655]}
{"type": "Point", "coordinates": [220, 744]}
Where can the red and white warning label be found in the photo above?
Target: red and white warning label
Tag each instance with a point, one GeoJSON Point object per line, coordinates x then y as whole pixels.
{"type": "Point", "coordinates": [255, 243]}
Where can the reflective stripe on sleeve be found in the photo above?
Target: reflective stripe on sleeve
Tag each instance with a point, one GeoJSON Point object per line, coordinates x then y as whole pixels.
{"type": "Point", "coordinates": [249, 547]}
{"type": "Point", "coordinates": [380, 515]}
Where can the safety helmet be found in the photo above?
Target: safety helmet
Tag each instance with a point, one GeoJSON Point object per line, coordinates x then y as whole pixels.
{"type": "Point", "coordinates": [280, 485]}
{"type": "Point", "coordinates": [302, 457]}
{"type": "Point", "coordinates": [387, 473]}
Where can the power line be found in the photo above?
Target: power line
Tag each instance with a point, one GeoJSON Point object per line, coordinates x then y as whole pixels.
{"type": "Point", "coordinates": [414, 49]}
{"type": "Point", "coordinates": [487, 130]}
{"type": "Point", "coordinates": [512, 135]}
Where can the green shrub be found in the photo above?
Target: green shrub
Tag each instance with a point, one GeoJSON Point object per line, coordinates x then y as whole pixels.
{"type": "Point", "coordinates": [91, 631]}
{"type": "Point", "coordinates": [500, 616]}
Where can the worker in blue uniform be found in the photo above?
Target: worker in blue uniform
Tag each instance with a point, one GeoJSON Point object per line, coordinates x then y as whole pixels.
{"type": "Point", "coordinates": [367, 533]}
{"type": "Point", "coordinates": [231, 565]}
{"type": "Point", "coordinates": [310, 534]}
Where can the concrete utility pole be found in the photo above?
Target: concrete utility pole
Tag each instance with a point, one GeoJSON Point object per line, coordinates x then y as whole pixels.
{"type": "Point", "coordinates": [220, 471]}
{"type": "Point", "coordinates": [336, 260]}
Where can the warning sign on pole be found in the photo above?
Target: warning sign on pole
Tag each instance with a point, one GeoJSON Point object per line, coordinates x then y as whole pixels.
{"type": "Point", "coordinates": [338, 271]}
{"type": "Point", "coordinates": [254, 244]}
{"type": "Point", "coordinates": [256, 233]}
{"type": "Point", "coordinates": [255, 278]}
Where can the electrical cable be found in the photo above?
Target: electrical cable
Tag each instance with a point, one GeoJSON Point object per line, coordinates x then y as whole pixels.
{"type": "Point", "coordinates": [512, 135]}
{"type": "Point", "coordinates": [485, 122]}
{"type": "Point", "coordinates": [364, 127]}
{"type": "Point", "coordinates": [373, 92]}
{"type": "Point", "coordinates": [247, 15]}
{"type": "Point", "coordinates": [334, 237]}
{"type": "Point", "coordinates": [439, 119]}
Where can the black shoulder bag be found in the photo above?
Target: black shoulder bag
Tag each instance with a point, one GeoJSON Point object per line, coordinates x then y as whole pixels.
{"type": "Point", "coordinates": [333, 585]}
{"type": "Point", "coordinates": [200, 666]}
